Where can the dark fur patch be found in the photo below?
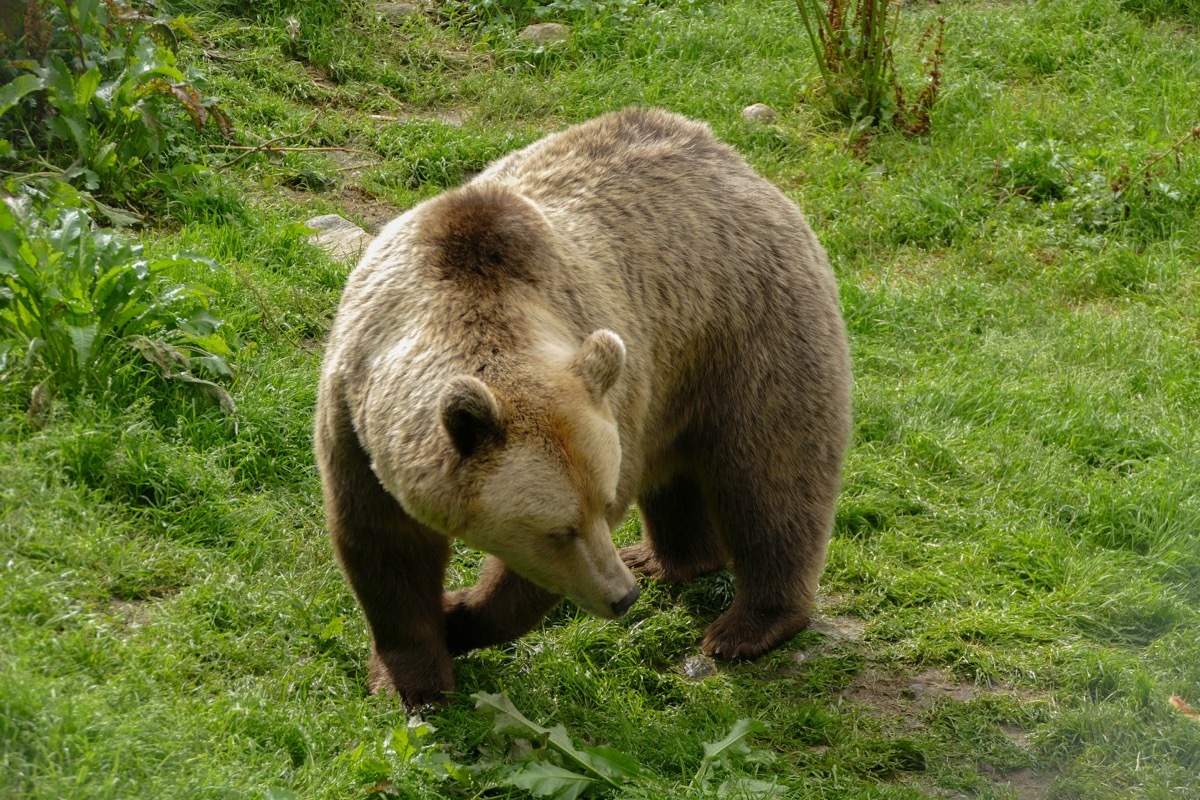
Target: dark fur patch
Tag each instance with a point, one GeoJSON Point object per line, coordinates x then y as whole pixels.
{"type": "Point", "coordinates": [486, 236]}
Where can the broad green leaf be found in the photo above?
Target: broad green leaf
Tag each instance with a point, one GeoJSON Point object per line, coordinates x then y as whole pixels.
{"type": "Point", "coordinates": [505, 716]}
{"type": "Point", "coordinates": [546, 780]}
{"type": "Point", "coordinates": [86, 86]}
{"type": "Point", "coordinates": [68, 128]}
{"type": "Point", "coordinates": [12, 92]}
{"type": "Point", "coordinates": [333, 628]}
{"type": "Point", "coordinates": [614, 762]}
{"type": "Point", "coordinates": [200, 323]}
{"type": "Point", "coordinates": [214, 344]}
{"type": "Point", "coordinates": [507, 719]}
{"type": "Point", "coordinates": [215, 365]}
{"type": "Point", "coordinates": [27, 255]}
{"type": "Point", "coordinates": [163, 71]}
{"type": "Point", "coordinates": [105, 157]}
{"type": "Point", "coordinates": [733, 743]}
{"type": "Point", "coordinates": [405, 743]}
{"type": "Point", "coordinates": [560, 740]}
{"type": "Point", "coordinates": [84, 9]}
{"type": "Point", "coordinates": [726, 749]}
{"type": "Point", "coordinates": [83, 338]}
{"type": "Point", "coordinates": [109, 88]}
{"type": "Point", "coordinates": [59, 78]}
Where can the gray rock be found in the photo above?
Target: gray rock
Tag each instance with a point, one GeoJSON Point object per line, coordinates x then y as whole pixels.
{"type": "Point", "coordinates": [545, 33]}
{"type": "Point", "coordinates": [396, 12]}
{"type": "Point", "coordinates": [759, 113]}
{"type": "Point", "coordinates": [338, 236]}
{"type": "Point", "coordinates": [699, 667]}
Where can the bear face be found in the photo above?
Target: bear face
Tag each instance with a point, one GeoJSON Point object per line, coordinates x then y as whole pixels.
{"type": "Point", "coordinates": [534, 481]}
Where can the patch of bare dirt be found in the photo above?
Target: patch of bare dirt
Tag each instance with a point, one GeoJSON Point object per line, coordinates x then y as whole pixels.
{"type": "Point", "coordinates": [132, 613]}
{"type": "Point", "coordinates": [1024, 783]}
{"type": "Point", "coordinates": [838, 628]}
{"type": "Point", "coordinates": [365, 205]}
{"type": "Point", "coordinates": [909, 696]}
{"type": "Point", "coordinates": [139, 612]}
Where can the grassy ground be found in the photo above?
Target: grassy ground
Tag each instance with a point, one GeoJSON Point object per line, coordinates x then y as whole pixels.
{"type": "Point", "coordinates": [1013, 589]}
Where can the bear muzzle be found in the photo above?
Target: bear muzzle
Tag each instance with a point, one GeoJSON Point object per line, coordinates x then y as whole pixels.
{"type": "Point", "coordinates": [621, 606]}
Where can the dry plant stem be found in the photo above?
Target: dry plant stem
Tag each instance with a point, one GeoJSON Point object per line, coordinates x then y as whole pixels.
{"type": "Point", "coordinates": [812, 35]}
{"type": "Point", "coordinates": [272, 145]}
{"type": "Point", "coordinates": [296, 149]}
{"type": "Point", "coordinates": [1175, 148]}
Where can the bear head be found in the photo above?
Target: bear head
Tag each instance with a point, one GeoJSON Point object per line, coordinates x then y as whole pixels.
{"type": "Point", "coordinates": [544, 476]}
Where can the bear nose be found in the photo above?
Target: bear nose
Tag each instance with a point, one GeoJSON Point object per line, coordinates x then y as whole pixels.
{"type": "Point", "coordinates": [621, 606]}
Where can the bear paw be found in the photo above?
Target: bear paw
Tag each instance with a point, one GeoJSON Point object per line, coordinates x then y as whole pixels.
{"type": "Point", "coordinates": [745, 633]}
{"type": "Point", "coordinates": [642, 559]}
{"type": "Point", "coordinates": [421, 679]}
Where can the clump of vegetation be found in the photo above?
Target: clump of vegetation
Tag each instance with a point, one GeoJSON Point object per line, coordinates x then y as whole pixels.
{"type": "Point", "coordinates": [549, 764]}
{"type": "Point", "coordinates": [93, 97]}
{"type": "Point", "coordinates": [1184, 9]}
{"type": "Point", "coordinates": [78, 301]}
{"type": "Point", "coordinates": [853, 50]}
{"type": "Point", "coordinates": [94, 110]}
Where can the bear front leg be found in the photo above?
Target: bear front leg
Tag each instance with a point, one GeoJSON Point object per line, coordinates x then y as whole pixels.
{"type": "Point", "coordinates": [499, 608]}
{"type": "Point", "coordinates": [397, 575]}
{"type": "Point", "coordinates": [777, 540]}
{"type": "Point", "coordinates": [395, 566]}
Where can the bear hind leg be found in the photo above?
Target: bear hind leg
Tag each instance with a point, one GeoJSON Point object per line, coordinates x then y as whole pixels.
{"type": "Point", "coordinates": [497, 609]}
{"type": "Point", "coordinates": [679, 539]}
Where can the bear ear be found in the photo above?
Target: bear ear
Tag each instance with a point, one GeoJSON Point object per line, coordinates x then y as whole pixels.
{"type": "Point", "coordinates": [600, 362]}
{"type": "Point", "coordinates": [470, 414]}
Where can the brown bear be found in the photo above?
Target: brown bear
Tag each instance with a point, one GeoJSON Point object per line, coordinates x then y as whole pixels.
{"type": "Point", "coordinates": [623, 311]}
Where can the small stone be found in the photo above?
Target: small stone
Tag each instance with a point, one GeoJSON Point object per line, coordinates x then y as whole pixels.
{"type": "Point", "coordinates": [338, 236]}
{"type": "Point", "coordinates": [844, 629]}
{"type": "Point", "coordinates": [802, 657]}
{"type": "Point", "coordinates": [545, 33]}
{"type": "Point", "coordinates": [759, 113]}
{"type": "Point", "coordinates": [699, 667]}
{"type": "Point", "coordinates": [396, 12]}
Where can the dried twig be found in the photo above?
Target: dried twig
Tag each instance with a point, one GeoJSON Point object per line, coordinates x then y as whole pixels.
{"type": "Point", "coordinates": [272, 148]}
{"type": "Point", "coordinates": [215, 56]}
{"type": "Point", "coordinates": [269, 144]}
{"type": "Point", "coordinates": [1125, 180]}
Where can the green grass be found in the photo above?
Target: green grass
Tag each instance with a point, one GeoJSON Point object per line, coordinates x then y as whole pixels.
{"type": "Point", "coordinates": [1021, 506]}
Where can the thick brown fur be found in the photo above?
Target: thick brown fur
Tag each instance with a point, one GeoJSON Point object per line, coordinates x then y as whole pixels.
{"type": "Point", "coordinates": [621, 312]}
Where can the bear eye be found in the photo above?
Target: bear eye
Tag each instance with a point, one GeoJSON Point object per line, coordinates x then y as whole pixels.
{"type": "Point", "coordinates": [565, 536]}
